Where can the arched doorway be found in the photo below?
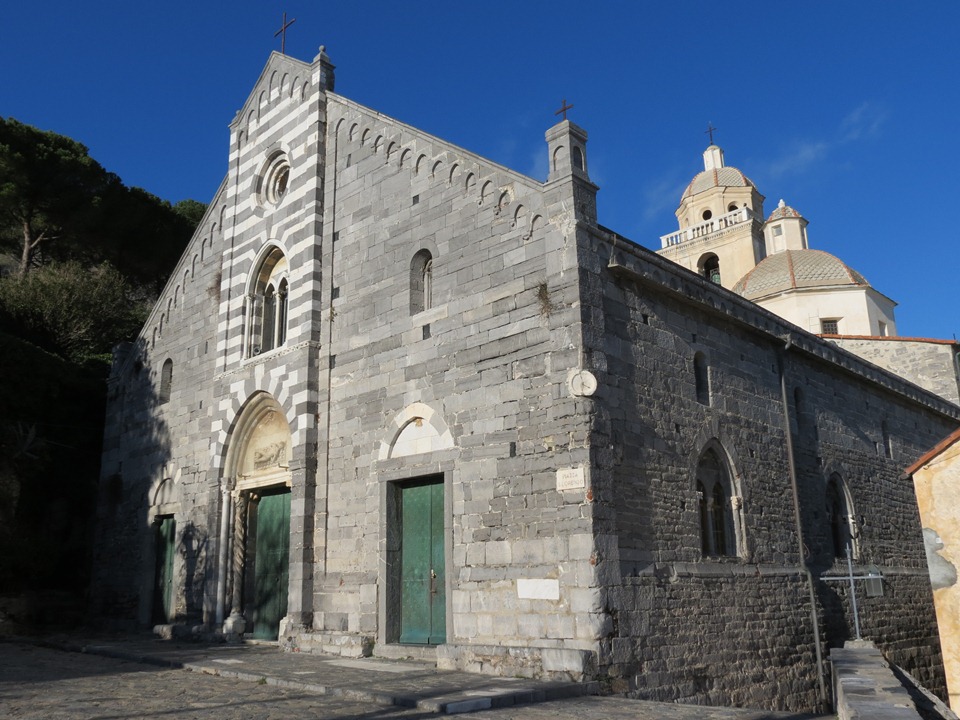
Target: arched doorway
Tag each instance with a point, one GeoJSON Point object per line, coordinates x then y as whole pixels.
{"type": "Point", "coordinates": [418, 531]}
{"type": "Point", "coordinates": [258, 466]}
{"type": "Point", "coordinates": [164, 596]}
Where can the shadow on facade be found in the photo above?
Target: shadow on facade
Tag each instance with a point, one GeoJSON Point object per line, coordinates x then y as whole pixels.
{"type": "Point", "coordinates": [137, 493]}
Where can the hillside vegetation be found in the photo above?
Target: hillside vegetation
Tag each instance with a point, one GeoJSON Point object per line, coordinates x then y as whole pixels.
{"type": "Point", "coordinates": [84, 257]}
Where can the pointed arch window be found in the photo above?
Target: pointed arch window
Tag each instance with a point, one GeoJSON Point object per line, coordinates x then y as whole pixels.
{"type": "Point", "coordinates": [841, 520]}
{"type": "Point", "coordinates": [421, 282]}
{"type": "Point", "coordinates": [719, 507]}
{"type": "Point", "coordinates": [268, 305]}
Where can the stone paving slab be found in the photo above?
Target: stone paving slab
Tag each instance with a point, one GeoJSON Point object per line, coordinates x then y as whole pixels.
{"type": "Point", "coordinates": [134, 679]}
{"type": "Point", "coordinates": [406, 683]}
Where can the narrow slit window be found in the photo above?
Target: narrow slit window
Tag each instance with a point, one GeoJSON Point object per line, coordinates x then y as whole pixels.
{"type": "Point", "coordinates": [701, 375]}
{"type": "Point", "coordinates": [166, 381]}
{"type": "Point", "coordinates": [421, 282]}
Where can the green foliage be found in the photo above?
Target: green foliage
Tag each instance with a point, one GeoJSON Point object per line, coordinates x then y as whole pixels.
{"type": "Point", "coordinates": [141, 235]}
{"type": "Point", "coordinates": [89, 252]}
{"type": "Point", "coordinates": [191, 210]}
{"type": "Point", "coordinates": [70, 310]}
{"type": "Point", "coordinates": [58, 203]}
{"type": "Point", "coordinates": [51, 420]}
{"type": "Point", "coordinates": [50, 189]}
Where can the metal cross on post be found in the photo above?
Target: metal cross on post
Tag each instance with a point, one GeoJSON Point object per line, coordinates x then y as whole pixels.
{"type": "Point", "coordinates": [874, 586]}
{"type": "Point", "coordinates": [282, 32]}
{"type": "Point", "coordinates": [564, 109]}
{"type": "Point", "coordinates": [853, 594]}
{"type": "Point", "coordinates": [710, 131]}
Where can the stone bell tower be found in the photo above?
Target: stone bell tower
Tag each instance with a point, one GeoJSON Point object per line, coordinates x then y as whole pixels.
{"type": "Point", "coordinates": [721, 223]}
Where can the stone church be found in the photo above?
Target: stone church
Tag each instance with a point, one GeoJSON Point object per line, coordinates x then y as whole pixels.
{"type": "Point", "coordinates": [398, 399]}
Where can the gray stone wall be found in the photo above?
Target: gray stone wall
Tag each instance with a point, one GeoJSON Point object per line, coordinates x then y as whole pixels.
{"type": "Point", "coordinates": [156, 454]}
{"type": "Point", "coordinates": [931, 364]}
{"type": "Point", "coordinates": [489, 358]}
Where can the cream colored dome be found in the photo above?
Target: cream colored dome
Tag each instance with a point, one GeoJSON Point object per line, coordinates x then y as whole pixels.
{"type": "Point", "coordinates": [716, 174]}
{"type": "Point", "coordinates": [796, 269]}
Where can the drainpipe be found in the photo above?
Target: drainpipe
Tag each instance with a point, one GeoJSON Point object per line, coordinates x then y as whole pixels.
{"type": "Point", "coordinates": [792, 466]}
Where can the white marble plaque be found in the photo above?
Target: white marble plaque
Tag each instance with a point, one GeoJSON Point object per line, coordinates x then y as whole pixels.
{"type": "Point", "coordinates": [538, 589]}
{"type": "Point", "coordinates": [571, 479]}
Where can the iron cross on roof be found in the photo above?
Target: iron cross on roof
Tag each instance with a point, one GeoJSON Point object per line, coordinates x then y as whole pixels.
{"type": "Point", "coordinates": [710, 131]}
{"type": "Point", "coordinates": [564, 109]}
{"type": "Point", "coordinates": [282, 32]}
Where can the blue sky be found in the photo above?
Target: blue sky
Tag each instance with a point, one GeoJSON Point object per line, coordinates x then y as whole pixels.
{"type": "Point", "coordinates": [844, 109]}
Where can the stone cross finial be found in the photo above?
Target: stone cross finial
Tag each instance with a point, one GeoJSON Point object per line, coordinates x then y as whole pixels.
{"type": "Point", "coordinates": [282, 32]}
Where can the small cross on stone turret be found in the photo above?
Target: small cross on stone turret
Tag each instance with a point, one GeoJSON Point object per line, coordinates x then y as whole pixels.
{"type": "Point", "coordinates": [563, 109]}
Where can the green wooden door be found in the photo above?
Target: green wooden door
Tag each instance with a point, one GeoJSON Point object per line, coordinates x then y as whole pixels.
{"type": "Point", "coordinates": [165, 549]}
{"type": "Point", "coordinates": [423, 613]}
{"type": "Point", "coordinates": [271, 564]}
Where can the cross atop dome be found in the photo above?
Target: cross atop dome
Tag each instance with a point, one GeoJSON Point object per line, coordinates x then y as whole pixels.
{"type": "Point", "coordinates": [710, 131]}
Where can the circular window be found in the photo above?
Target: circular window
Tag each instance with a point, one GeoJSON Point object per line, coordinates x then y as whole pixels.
{"type": "Point", "coordinates": [707, 214]}
{"type": "Point", "coordinates": [275, 180]}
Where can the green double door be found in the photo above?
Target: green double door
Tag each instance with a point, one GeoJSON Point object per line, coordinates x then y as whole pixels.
{"type": "Point", "coordinates": [271, 564]}
{"type": "Point", "coordinates": [423, 616]}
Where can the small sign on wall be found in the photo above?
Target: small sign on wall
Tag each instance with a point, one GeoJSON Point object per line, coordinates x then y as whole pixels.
{"type": "Point", "coordinates": [538, 589]}
{"type": "Point", "coordinates": [571, 479]}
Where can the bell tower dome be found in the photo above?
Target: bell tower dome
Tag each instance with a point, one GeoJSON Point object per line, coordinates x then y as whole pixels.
{"type": "Point", "coordinates": [720, 217]}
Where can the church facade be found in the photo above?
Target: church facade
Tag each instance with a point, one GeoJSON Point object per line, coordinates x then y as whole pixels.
{"type": "Point", "coordinates": [396, 398]}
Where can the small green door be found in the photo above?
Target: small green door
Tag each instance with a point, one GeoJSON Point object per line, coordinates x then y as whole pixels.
{"type": "Point", "coordinates": [271, 564]}
{"type": "Point", "coordinates": [423, 610]}
{"type": "Point", "coordinates": [165, 548]}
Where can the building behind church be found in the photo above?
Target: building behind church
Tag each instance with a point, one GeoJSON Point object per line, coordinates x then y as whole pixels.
{"type": "Point", "coordinates": [398, 399]}
{"type": "Point", "coordinates": [725, 237]}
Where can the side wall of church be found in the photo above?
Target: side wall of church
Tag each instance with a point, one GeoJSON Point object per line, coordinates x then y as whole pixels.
{"type": "Point", "coordinates": [156, 444]}
{"type": "Point", "coordinates": [738, 628]}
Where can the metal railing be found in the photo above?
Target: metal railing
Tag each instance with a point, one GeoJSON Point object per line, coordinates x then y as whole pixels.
{"type": "Point", "coordinates": [708, 227]}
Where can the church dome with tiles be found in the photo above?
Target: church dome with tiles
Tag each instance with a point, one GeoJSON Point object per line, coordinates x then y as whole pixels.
{"type": "Point", "coordinates": [717, 176]}
{"type": "Point", "coordinates": [783, 211]}
{"type": "Point", "coordinates": [797, 269]}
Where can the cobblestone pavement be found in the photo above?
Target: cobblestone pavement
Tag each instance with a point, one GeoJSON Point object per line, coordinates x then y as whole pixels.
{"type": "Point", "coordinates": [40, 682]}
